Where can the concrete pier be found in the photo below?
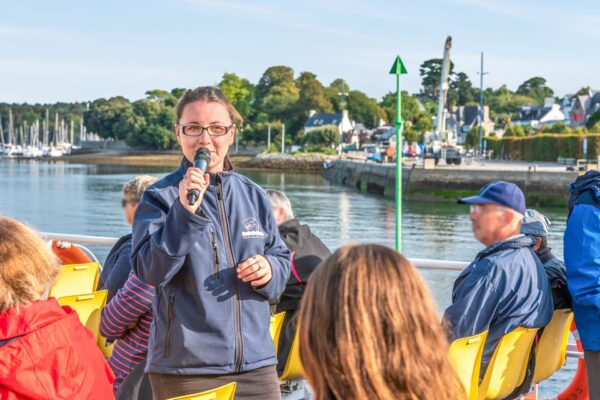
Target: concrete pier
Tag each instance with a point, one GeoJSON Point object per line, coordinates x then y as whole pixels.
{"type": "Point", "coordinates": [542, 185]}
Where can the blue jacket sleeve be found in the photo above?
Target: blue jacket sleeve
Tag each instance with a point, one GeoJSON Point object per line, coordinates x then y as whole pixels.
{"type": "Point", "coordinates": [119, 270]}
{"type": "Point", "coordinates": [582, 255]}
{"type": "Point", "coordinates": [278, 255]}
{"type": "Point", "coordinates": [162, 238]}
{"type": "Point", "coordinates": [474, 303]}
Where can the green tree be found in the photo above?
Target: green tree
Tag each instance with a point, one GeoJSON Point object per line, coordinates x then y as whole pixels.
{"type": "Point", "coordinates": [364, 109]}
{"type": "Point", "coordinates": [311, 97]}
{"type": "Point", "coordinates": [325, 135]}
{"type": "Point", "coordinates": [431, 73]}
{"type": "Point", "coordinates": [239, 91]}
{"type": "Point", "coordinates": [112, 118]}
{"type": "Point", "coordinates": [158, 128]}
{"type": "Point", "coordinates": [333, 93]}
{"type": "Point", "coordinates": [593, 119]}
{"type": "Point", "coordinates": [463, 87]}
{"type": "Point", "coordinates": [277, 93]}
{"type": "Point", "coordinates": [536, 89]}
{"type": "Point", "coordinates": [161, 96]}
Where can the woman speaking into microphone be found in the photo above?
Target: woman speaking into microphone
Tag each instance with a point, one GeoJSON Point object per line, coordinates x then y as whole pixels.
{"type": "Point", "coordinates": [215, 258]}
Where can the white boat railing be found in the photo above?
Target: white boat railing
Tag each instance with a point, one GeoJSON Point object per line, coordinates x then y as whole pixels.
{"type": "Point", "coordinates": [421, 263]}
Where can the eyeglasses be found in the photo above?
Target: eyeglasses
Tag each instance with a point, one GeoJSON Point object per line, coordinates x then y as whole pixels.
{"type": "Point", "coordinates": [482, 209]}
{"type": "Point", "coordinates": [198, 130]}
{"type": "Point", "coordinates": [125, 201]}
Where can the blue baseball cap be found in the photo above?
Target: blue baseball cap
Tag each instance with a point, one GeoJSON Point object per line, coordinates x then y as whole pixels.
{"type": "Point", "coordinates": [503, 193]}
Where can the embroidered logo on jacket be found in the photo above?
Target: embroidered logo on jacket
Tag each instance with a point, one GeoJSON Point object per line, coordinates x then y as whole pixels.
{"type": "Point", "coordinates": [252, 229]}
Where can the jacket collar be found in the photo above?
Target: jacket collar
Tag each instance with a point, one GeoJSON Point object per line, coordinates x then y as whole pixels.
{"type": "Point", "coordinates": [590, 180]}
{"type": "Point", "coordinates": [19, 322]}
{"type": "Point", "coordinates": [545, 254]}
{"type": "Point", "coordinates": [513, 243]}
{"type": "Point", "coordinates": [290, 225]}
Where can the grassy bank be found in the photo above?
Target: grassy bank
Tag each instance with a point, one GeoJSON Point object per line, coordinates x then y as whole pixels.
{"type": "Point", "coordinates": [149, 160]}
{"type": "Point", "coordinates": [531, 199]}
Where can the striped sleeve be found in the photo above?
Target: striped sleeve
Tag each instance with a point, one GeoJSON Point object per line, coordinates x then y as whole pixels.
{"type": "Point", "coordinates": [130, 303]}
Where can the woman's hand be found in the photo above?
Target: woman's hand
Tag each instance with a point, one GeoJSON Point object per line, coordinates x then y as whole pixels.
{"type": "Point", "coordinates": [255, 270]}
{"type": "Point", "coordinates": [193, 179]}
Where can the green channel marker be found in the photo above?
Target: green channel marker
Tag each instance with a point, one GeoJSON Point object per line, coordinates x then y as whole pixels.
{"type": "Point", "coordinates": [398, 69]}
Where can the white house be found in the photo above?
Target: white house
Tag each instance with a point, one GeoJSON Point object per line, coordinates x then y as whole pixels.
{"type": "Point", "coordinates": [341, 120]}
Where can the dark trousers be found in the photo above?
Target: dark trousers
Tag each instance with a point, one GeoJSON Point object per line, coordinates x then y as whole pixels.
{"type": "Point", "coordinates": [592, 366]}
{"type": "Point", "coordinates": [260, 384]}
{"type": "Point", "coordinates": [136, 386]}
{"type": "Point", "coordinates": [288, 330]}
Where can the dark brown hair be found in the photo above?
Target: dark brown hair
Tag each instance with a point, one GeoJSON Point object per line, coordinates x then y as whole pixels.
{"type": "Point", "coordinates": [369, 330]}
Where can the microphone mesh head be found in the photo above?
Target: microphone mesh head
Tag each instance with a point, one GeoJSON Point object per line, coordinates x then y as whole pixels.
{"type": "Point", "coordinates": [202, 154]}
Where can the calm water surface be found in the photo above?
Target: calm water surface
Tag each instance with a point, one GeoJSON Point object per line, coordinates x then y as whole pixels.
{"type": "Point", "coordinates": [85, 199]}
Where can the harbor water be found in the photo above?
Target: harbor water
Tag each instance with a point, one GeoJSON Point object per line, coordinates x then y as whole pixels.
{"type": "Point", "coordinates": [86, 199]}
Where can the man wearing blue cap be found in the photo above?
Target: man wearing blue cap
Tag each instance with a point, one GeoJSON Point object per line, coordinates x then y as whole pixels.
{"type": "Point", "coordinates": [505, 287]}
{"type": "Point", "coordinates": [536, 225]}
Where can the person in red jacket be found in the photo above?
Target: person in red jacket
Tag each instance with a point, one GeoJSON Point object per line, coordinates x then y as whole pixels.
{"type": "Point", "coordinates": [45, 352]}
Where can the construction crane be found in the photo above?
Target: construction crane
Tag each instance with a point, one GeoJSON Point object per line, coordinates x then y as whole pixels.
{"type": "Point", "coordinates": [442, 142]}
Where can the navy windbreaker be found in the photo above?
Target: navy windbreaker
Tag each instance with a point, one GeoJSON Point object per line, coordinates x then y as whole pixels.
{"type": "Point", "coordinates": [206, 320]}
{"type": "Point", "coordinates": [503, 288]}
{"type": "Point", "coordinates": [582, 257]}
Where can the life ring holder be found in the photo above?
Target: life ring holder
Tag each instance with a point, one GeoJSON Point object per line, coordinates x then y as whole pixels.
{"type": "Point", "coordinates": [70, 253]}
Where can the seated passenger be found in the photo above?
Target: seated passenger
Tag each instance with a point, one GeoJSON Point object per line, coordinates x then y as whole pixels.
{"type": "Point", "coordinates": [117, 266]}
{"type": "Point", "coordinates": [45, 352]}
{"type": "Point", "coordinates": [127, 318]}
{"type": "Point", "coordinates": [369, 330]}
{"type": "Point", "coordinates": [307, 252]}
{"type": "Point", "coordinates": [505, 286]}
{"type": "Point", "coordinates": [536, 225]}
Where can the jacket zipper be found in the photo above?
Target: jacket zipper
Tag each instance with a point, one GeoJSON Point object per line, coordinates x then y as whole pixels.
{"type": "Point", "coordinates": [236, 294]}
{"type": "Point", "coordinates": [215, 254]}
{"type": "Point", "coordinates": [169, 327]}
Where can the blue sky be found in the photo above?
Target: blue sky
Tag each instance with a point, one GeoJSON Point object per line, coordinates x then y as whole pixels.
{"type": "Point", "coordinates": [81, 50]}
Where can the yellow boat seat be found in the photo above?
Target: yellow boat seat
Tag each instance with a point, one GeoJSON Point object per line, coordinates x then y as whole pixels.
{"type": "Point", "coordinates": [465, 357]}
{"type": "Point", "coordinates": [293, 366]}
{"type": "Point", "coordinates": [551, 352]}
{"type": "Point", "coordinates": [76, 279]}
{"type": "Point", "coordinates": [275, 328]}
{"type": "Point", "coordinates": [224, 392]}
{"type": "Point", "coordinates": [88, 308]}
{"type": "Point", "coordinates": [507, 368]}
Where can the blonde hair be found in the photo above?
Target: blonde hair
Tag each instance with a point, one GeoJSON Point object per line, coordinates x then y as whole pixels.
{"type": "Point", "coordinates": [27, 265]}
{"type": "Point", "coordinates": [135, 187]}
{"type": "Point", "coordinates": [369, 330]}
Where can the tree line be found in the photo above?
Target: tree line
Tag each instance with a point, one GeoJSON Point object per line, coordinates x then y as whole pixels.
{"type": "Point", "coordinates": [282, 97]}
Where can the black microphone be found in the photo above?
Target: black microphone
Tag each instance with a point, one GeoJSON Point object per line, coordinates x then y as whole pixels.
{"type": "Point", "coordinates": [201, 160]}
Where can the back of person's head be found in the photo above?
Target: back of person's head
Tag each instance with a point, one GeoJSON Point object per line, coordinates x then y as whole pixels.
{"type": "Point", "coordinates": [27, 265]}
{"type": "Point", "coordinates": [369, 330]}
{"type": "Point", "coordinates": [281, 202]}
{"type": "Point", "coordinates": [134, 189]}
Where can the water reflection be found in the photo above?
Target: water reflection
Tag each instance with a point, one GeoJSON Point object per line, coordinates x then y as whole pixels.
{"type": "Point", "coordinates": [85, 199]}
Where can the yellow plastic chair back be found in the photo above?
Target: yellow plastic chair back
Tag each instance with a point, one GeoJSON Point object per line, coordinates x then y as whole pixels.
{"type": "Point", "coordinates": [224, 392]}
{"type": "Point", "coordinates": [293, 367]}
{"type": "Point", "coordinates": [88, 308]}
{"type": "Point", "coordinates": [508, 365]}
{"type": "Point", "coordinates": [551, 352]}
{"type": "Point", "coordinates": [76, 279]}
{"type": "Point", "coordinates": [275, 328]}
{"type": "Point", "coordinates": [465, 357]}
